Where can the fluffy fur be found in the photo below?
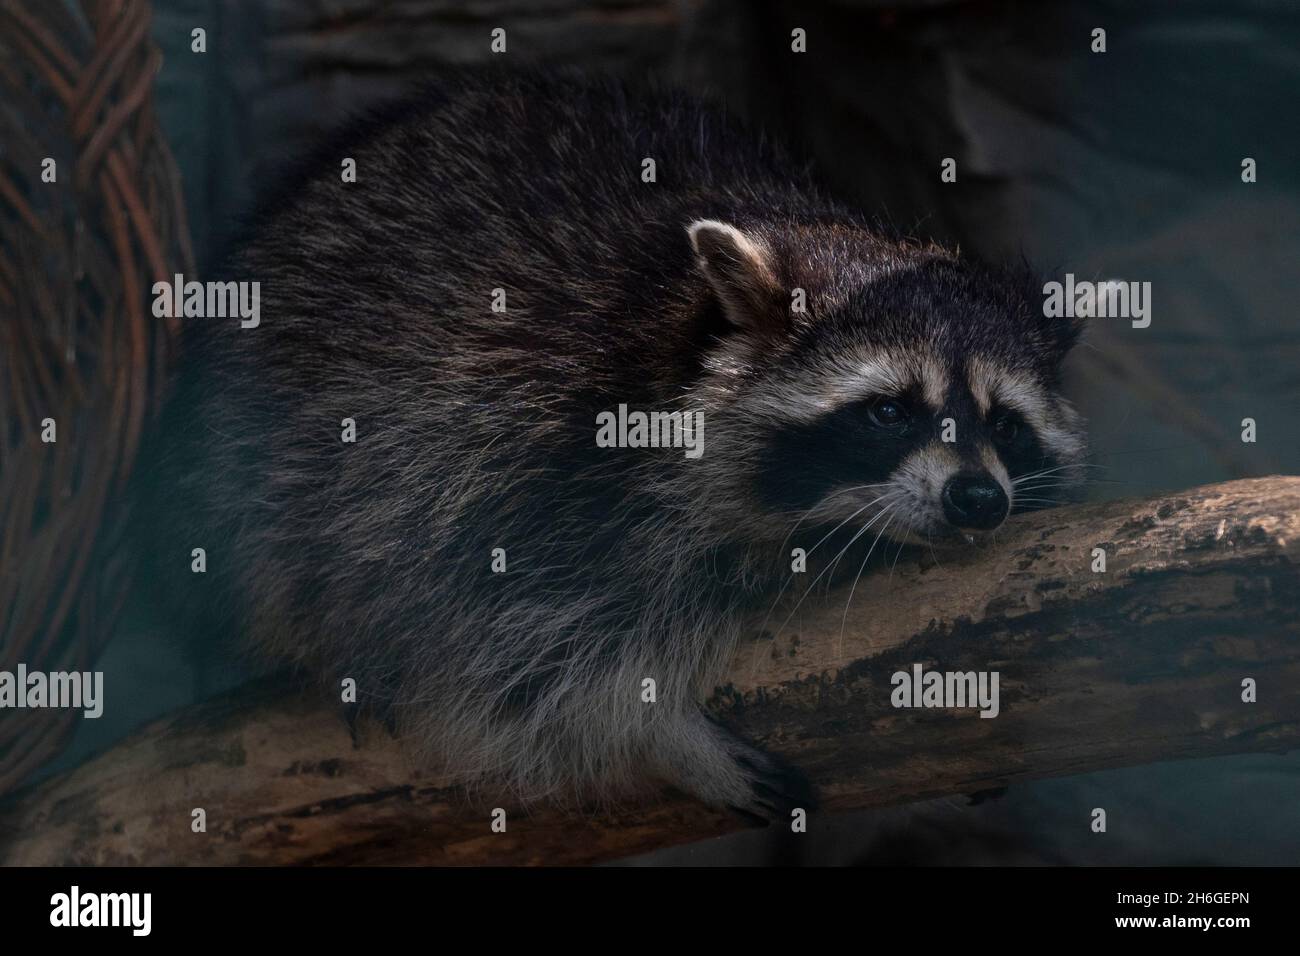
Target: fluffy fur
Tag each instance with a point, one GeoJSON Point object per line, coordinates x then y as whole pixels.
{"type": "Point", "coordinates": [475, 429]}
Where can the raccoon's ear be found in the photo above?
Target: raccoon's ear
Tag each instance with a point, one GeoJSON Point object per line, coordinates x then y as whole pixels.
{"type": "Point", "coordinates": [1074, 332]}
{"type": "Point", "coordinates": [1067, 333]}
{"type": "Point", "coordinates": [739, 269]}
{"type": "Point", "coordinates": [1064, 331]}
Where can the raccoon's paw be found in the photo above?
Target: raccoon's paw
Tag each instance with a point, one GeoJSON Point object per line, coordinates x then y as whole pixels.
{"type": "Point", "coordinates": [776, 790]}
{"type": "Point", "coordinates": [720, 768]}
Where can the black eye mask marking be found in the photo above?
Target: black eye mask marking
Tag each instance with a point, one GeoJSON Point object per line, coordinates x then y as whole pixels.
{"type": "Point", "coordinates": [1010, 433]}
{"type": "Point", "coordinates": [856, 444]}
{"type": "Point", "coordinates": [1022, 454]}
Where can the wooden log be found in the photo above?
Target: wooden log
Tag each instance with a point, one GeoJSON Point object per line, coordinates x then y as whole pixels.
{"type": "Point", "coordinates": [1142, 662]}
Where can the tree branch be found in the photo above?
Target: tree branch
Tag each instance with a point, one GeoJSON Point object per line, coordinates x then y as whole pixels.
{"type": "Point", "coordinates": [1143, 662]}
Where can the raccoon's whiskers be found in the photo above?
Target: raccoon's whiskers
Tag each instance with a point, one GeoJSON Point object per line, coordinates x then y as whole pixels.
{"type": "Point", "coordinates": [1048, 482]}
{"type": "Point", "coordinates": [847, 520]}
{"type": "Point", "coordinates": [863, 530]}
{"type": "Point", "coordinates": [1047, 471]}
{"type": "Point", "coordinates": [898, 554]}
{"type": "Point", "coordinates": [1017, 491]}
{"type": "Point", "coordinates": [790, 577]}
{"type": "Point", "coordinates": [929, 539]}
{"type": "Point", "coordinates": [836, 562]}
{"type": "Point", "coordinates": [839, 644]}
{"type": "Point", "coordinates": [842, 491]}
{"type": "Point", "coordinates": [1038, 501]}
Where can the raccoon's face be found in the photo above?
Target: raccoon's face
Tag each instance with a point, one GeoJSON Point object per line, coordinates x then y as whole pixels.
{"type": "Point", "coordinates": [915, 396]}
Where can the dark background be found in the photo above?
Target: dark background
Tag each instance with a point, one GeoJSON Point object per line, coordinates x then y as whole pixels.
{"type": "Point", "coordinates": [1121, 165]}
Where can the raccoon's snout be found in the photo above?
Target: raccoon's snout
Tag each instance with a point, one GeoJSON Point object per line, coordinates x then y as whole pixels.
{"type": "Point", "coordinates": [974, 501]}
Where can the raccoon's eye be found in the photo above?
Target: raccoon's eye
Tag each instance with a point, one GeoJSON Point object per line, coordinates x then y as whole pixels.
{"type": "Point", "coordinates": [1005, 428]}
{"type": "Point", "coordinates": [889, 413]}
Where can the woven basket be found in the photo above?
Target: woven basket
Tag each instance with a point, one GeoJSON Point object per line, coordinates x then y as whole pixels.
{"type": "Point", "coordinates": [78, 343]}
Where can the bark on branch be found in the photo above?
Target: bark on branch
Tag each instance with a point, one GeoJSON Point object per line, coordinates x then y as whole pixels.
{"type": "Point", "coordinates": [1141, 663]}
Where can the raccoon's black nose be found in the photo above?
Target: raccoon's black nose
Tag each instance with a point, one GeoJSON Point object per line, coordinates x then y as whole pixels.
{"type": "Point", "coordinates": [974, 501]}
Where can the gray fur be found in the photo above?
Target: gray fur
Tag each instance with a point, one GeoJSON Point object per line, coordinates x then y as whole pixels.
{"type": "Point", "coordinates": [475, 429]}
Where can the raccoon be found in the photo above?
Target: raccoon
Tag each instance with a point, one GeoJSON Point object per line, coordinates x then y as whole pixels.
{"type": "Point", "coordinates": [490, 575]}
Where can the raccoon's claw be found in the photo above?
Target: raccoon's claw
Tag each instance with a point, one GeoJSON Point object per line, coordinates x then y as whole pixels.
{"type": "Point", "coordinates": [749, 819]}
{"type": "Point", "coordinates": [351, 715]}
{"type": "Point", "coordinates": [777, 788]}
{"type": "Point", "coordinates": [388, 717]}
{"type": "Point", "coordinates": [715, 765]}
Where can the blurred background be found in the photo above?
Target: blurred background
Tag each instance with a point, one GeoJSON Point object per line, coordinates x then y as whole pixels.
{"type": "Point", "coordinates": [1124, 164]}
